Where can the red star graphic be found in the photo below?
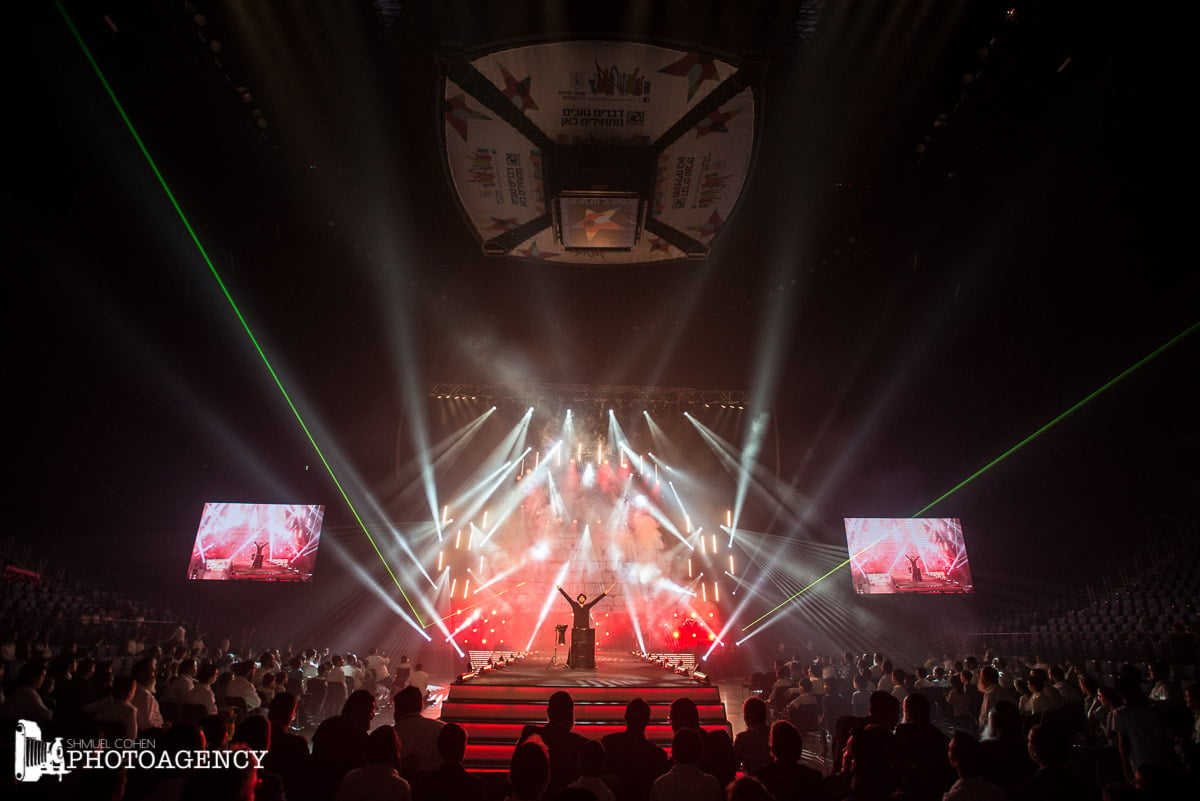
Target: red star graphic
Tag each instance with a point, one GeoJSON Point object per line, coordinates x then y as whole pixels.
{"type": "Point", "coordinates": [695, 68]}
{"type": "Point", "coordinates": [518, 91]}
{"type": "Point", "coordinates": [715, 122]}
{"type": "Point", "coordinates": [594, 222]}
{"type": "Point", "coordinates": [534, 252]}
{"type": "Point", "coordinates": [659, 245]}
{"type": "Point", "coordinates": [458, 114]}
{"type": "Point", "coordinates": [503, 224]}
{"type": "Point", "coordinates": [712, 226]}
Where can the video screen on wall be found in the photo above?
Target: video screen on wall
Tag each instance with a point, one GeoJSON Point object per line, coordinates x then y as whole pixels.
{"type": "Point", "coordinates": [890, 555]}
{"type": "Point", "coordinates": [256, 542]}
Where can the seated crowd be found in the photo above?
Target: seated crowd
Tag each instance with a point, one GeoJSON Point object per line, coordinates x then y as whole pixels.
{"type": "Point", "coordinates": [172, 702]}
{"type": "Point", "coordinates": [945, 731]}
{"type": "Point", "coordinates": [816, 729]}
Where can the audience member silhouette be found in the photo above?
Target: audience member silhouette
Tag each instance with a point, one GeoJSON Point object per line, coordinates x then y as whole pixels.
{"type": "Point", "coordinates": [418, 734]}
{"type": "Point", "coordinates": [221, 784]}
{"type": "Point", "coordinates": [255, 733]}
{"type": "Point", "coordinates": [529, 770]}
{"type": "Point", "coordinates": [966, 757]}
{"type": "Point", "coordinates": [1139, 735]}
{"type": "Point", "coordinates": [339, 744]}
{"type": "Point", "coordinates": [1006, 759]}
{"type": "Point", "coordinates": [717, 758]}
{"type": "Point", "coordinates": [634, 762]}
{"type": "Point", "coordinates": [785, 777]}
{"type": "Point", "coordinates": [288, 755]}
{"type": "Point", "coordinates": [870, 763]}
{"type": "Point", "coordinates": [378, 779]}
{"type": "Point", "coordinates": [116, 713]}
{"type": "Point", "coordinates": [748, 788]}
{"type": "Point", "coordinates": [752, 747]}
{"type": "Point", "coordinates": [591, 769]}
{"type": "Point", "coordinates": [449, 780]}
{"type": "Point", "coordinates": [686, 780]}
{"type": "Point", "coordinates": [1050, 748]}
{"type": "Point", "coordinates": [562, 744]}
{"type": "Point", "coordinates": [922, 750]}
{"type": "Point", "coordinates": [883, 711]}
{"type": "Point", "coordinates": [162, 783]}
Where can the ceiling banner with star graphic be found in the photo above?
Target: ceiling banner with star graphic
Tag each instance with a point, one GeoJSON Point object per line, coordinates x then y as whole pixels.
{"type": "Point", "coordinates": [495, 169]}
{"type": "Point", "coordinates": [518, 122]}
{"type": "Point", "coordinates": [700, 175]}
{"type": "Point", "coordinates": [602, 91]}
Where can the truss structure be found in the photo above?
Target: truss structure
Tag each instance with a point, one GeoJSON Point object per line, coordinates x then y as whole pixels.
{"type": "Point", "coordinates": [603, 394]}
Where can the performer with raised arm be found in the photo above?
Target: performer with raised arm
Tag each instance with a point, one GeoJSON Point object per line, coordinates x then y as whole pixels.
{"type": "Point", "coordinates": [916, 571]}
{"type": "Point", "coordinates": [582, 607]}
{"type": "Point", "coordinates": [258, 555]}
{"type": "Point", "coordinates": [583, 639]}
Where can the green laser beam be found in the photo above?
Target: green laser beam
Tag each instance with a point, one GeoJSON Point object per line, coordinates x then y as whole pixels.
{"type": "Point", "coordinates": [229, 297]}
{"type": "Point", "coordinates": [1058, 419]}
{"type": "Point", "coordinates": [1104, 387]}
{"type": "Point", "coordinates": [801, 591]}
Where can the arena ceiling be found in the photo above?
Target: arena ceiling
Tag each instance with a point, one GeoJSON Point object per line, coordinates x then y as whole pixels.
{"type": "Point", "coordinates": [917, 231]}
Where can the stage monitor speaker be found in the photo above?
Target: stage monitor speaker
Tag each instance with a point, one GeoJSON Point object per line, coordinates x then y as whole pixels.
{"type": "Point", "coordinates": [583, 649]}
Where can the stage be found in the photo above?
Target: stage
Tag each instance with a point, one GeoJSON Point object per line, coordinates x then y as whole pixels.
{"type": "Point", "coordinates": [494, 705]}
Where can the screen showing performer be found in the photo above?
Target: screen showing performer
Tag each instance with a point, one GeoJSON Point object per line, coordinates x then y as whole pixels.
{"type": "Point", "coordinates": [256, 542]}
{"type": "Point", "coordinates": [907, 555]}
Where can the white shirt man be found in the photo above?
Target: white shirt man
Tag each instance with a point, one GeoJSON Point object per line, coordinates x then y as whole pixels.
{"type": "Point", "coordinates": [337, 675]}
{"type": "Point", "coordinates": [378, 663]}
{"type": "Point", "coordinates": [117, 707]}
{"type": "Point", "coordinates": [183, 682]}
{"type": "Point", "coordinates": [993, 693]}
{"type": "Point", "coordinates": [419, 679]}
{"type": "Point", "coordinates": [240, 687]}
{"type": "Point", "coordinates": [355, 672]}
{"type": "Point", "coordinates": [202, 692]}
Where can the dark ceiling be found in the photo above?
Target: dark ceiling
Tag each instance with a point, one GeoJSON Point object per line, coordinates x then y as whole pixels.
{"type": "Point", "coordinates": [958, 224]}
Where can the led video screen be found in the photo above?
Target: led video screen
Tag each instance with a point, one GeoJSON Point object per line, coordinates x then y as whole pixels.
{"type": "Point", "coordinates": [891, 556]}
{"type": "Point", "coordinates": [256, 542]}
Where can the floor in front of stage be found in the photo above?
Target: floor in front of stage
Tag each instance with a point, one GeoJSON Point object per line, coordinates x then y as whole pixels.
{"type": "Point", "coordinates": [612, 670]}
